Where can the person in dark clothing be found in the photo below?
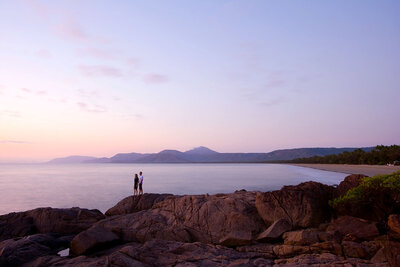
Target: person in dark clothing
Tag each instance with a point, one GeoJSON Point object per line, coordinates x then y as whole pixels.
{"type": "Point", "coordinates": [140, 183]}
{"type": "Point", "coordinates": [135, 186]}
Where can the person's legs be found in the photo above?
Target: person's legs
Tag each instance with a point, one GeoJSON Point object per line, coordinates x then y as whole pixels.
{"type": "Point", "coordinates": [140, 189]}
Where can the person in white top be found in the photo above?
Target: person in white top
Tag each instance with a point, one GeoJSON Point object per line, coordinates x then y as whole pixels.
{"type": "Point", "coordinates": [140, 183]}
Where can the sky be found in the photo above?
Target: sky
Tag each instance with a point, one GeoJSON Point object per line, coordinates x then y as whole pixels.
{"type": "Point", "coordinates": [101, 77]}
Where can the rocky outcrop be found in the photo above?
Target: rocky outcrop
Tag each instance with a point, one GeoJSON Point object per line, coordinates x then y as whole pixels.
{"type": "Point", "coordinates": [47, 220]}
{"type": "Point", "coordinates": [133, 204]}
{"type": "Point", "coordinates": [15, 252]}
{"type": "Point", "coordinates": [348, 183]}
{"type": "Point", "coordinates": [239, 229]}
{"type": "Point", "coordinates": [304, 205]}
{"type": "Point", "coordinates": [394, 225]}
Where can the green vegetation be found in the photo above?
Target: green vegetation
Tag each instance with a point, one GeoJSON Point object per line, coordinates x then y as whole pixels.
{"type": "Point", "coordinates": [380, 155]}
{"type": "Point", "coordinates": [370, 191]}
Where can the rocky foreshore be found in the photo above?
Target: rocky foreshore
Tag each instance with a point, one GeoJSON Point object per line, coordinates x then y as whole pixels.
{"type": "Point", "coordinates": [294, 226]}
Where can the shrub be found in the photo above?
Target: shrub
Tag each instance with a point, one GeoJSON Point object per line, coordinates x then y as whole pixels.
{"type": "Point", "coordinates": [374, 198]}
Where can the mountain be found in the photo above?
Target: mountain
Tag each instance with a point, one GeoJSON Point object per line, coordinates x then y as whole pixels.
{"type": "Point", "coordinates": [72, 159]}
{"type": "Point", "coordinates": [205, 155]}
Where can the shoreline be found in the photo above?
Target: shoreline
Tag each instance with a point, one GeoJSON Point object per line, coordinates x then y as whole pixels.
{"type": "Point", "coordinates": [369, 170]}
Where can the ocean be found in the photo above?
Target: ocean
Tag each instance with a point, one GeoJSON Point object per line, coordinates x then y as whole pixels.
{"type": "Point", "coordinates": [101, 186]}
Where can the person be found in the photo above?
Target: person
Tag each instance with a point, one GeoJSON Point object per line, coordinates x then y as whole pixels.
{"type": "Point", "coordinates": [136, 183]}
{"type": "Point", "coordinates": [140, 183]}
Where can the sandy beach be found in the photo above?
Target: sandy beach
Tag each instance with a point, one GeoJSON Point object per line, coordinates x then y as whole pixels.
{"type": "Point", "coordinates": [369, 170]}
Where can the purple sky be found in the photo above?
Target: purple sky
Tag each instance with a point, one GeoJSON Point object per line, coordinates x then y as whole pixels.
{"type": "Point", "coordinates": [102, 77]}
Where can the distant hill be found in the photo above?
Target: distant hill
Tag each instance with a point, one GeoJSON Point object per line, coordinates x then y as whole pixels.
{"type": "Point", "coordinates": [206, 155]}
{"type": "Point", "coordinates": [72, 159]}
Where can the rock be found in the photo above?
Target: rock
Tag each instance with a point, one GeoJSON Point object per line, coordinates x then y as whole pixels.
{"type": "Point", "coordinates": [162, 253]}
{"type": "Point", "coordinates": [15, 252]}
{"type": "Point", "coordinates": [301, 237]}
{"type": "Point", "coordinates": [392, 252]}
{"type": "Point", "coordinates": [133, 204]}
{"type": "Point", "coordinates": [358, 228]}
{"type": "Point", "coordinates": [262, 249]}
{"type": "Point", "coordinates": [348, 183]}
{"type": "Point", "coordinates": [47, 220]}
{"type": "Point", "coordinates": [286, 251]}
{"type": "Point", "coordinates": [276, 230]}
{"type": "Point", "coordinates": [394, 225]}
{"type": "Point", "coordinates": [201, 218]}
{"type": "Point", "coordinates": [236, 238]}
{"type": "Point", "coordinates": [327, 246]}
{"type": "Point", "coordinates": [304, 205]}
{"type": "Point", "coordinates": [379, 256]}
{"type": "Point", "coordinates": [355, 250]}
{"type": "Point", "coordinates": [95, 237]}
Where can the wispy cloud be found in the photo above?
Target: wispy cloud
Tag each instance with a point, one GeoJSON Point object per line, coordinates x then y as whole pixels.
{"type": "Point", "coordinates": [71, 31]}
{"type": "Point", "coordinates": [97, 53]}
{"type": "Point", "coordinates": [99, 70]}
{"type": "Point", "coordinates": [36, 92]}
{"type": "Point", "coordinates": [91, 108]}
{"type": "Point", "coordinates": [155, 78]}
{"type": "Point", "coordinates": [13, 142]}
{"type": "Point", "coordinates": [43, 53]}
{"type": "Point", "coordinates": [10, 113]}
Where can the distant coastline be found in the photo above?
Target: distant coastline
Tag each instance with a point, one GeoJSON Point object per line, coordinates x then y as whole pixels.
{"type": "Point", "coordinates": [369, 170]}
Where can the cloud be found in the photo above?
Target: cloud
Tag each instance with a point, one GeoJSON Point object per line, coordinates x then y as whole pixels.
{"type": "Point", "coordinates": [91, 108]}
{"type": "Point", "coordinates": [13, 142]}
{"type": "Point", "coordinates": [29, 91]}
{"type": "Point", "coordinates": [155, 78]}
{"type": "Point", "coordinates": [99, 70]}
{"type": "Point", "coordinates": [71, 31]}
{"type": "Point", "coordinates": [272, 102]}
{"type": "Point", "coordinates": [97, 53]}
{"type": "Point", "coordinates": [43, 53]}
{"type": "Point", "coordinates": [10, 113]}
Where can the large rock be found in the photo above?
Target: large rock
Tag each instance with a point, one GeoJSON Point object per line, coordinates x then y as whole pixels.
{"type": "Point", "coordinates": [358, 228]}
{"type": "Point", "coordinates": [356, 250]}
{"type": "Point", "coordinates": [348, 183]}
{"type": "Point", "coordinates": [301, 237]}
{"type": "Point", "coordinates": [304, 205]}
{"type": "Point", "coordinates": [95, 237]}
{"type": "Point", "coordinates": [236, 238]}
{"type": "Point", "coordinates": [15, 252]}
{"type": "Point", "coordinates": [394, 225]}
{"type": "Point", "coordinates": [162, 253]}
{"type": "Point", "coordinates": [275, 231]}
{"type": "Point", "coordinates": [47, 220]}
{"type": "Point", "coordinates": [133, 204]}
{"type": "Point", "coordinates": [201, 218]}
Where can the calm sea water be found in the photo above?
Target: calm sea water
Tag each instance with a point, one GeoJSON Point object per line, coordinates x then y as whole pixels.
{"type": "Point", "coordinates": [100, 186]}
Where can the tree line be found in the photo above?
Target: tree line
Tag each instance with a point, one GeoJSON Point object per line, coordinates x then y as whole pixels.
{"type": "Point", "coordinates": [380, 155]}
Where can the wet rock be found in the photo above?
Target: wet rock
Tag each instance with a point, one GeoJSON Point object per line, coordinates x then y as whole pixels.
{"type": "Point", "coordinates": [358, 228]}
{"type": "Point", "coordinates": [304, 205]}
{"type": "Point", "coordinates": [275, 231]}
{"type": "Point", "coordinates": [133, 204]}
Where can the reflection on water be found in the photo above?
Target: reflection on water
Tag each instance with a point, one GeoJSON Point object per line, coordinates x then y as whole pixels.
{"type": "Point", "coordinates": [100, 186]}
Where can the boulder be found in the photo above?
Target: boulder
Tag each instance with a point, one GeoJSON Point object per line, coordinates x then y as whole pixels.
{"type": "Point", "coordinates": [47, 220]}
{"type": "Point", "coordinates": [304, 205]}
{"type": "Point", "coordinates": [301, 237]}
{"type": "Point", "coordinates": [262, 249]}
{"type": "Point", "coordinates": [236, 238]}
{"type": "Point", "coordinates": [355, 250]}
{"type": "Point", "coordinates": [275, 231]}
{"type": "Point", "coordinates": [379, 256]}
{"type": "Point", "coordinates": [392, 252]}
{"type": "Point", "coordinates": [133, 204]}
{"type": "Point", "coordinates": [201, 218]}
{"type": "Point", "coordinates": [358, 228]}
{"type": "Point", "coordinates": [394, 225]}
{"type": "Point", "coordinates": [348, 183]}
{"type": "Point", "coordinates": [161, 253]}
{"type": "Point", "coordinates": [15, 252]}
{"type": "Point", "coordinates": [95, 237]}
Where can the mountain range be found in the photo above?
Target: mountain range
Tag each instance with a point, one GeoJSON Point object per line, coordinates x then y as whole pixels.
{"type": "Point", "coordinates": [205, 155]}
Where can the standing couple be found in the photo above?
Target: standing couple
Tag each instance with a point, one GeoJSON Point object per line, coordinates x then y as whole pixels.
{"type": "Point", "coordinates": [138, 181]}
